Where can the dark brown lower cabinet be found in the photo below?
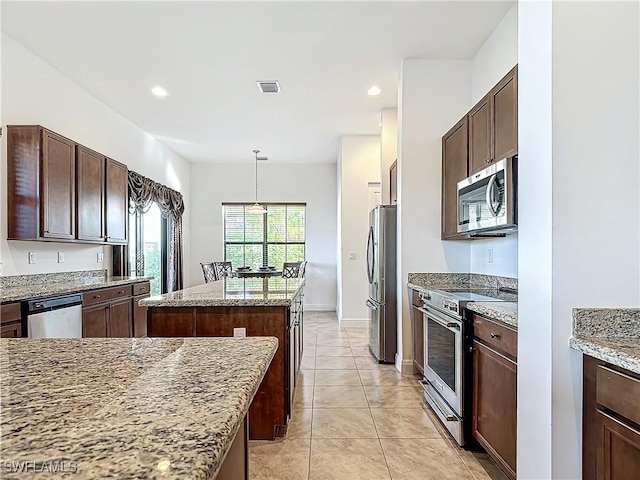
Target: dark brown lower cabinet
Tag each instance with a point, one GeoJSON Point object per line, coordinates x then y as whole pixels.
{"type": "Point", "coordinates": [611, 422]}
{"type": "Point", "coordinates": [108, 313]}
{"type": "Point", "coordinates": [418, 339]}
{"type": "Point", "coordinates": [11, 330]}
{"type": "Point", "coordinates": [94, 321]}
{"type": "Point", "coordinates": [272, 405]}
{"type": "Point", "coordinates": [10, 320]}
{"type": "Point", "coordinates": [120, 320]}
{"type": "Point", "coordinates": [139, 317]}
{"type": "Point", "coordinates": [495, 386]}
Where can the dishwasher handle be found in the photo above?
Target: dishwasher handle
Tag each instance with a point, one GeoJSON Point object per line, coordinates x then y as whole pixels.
{"type": "Point", "coordinates": [53, 303]}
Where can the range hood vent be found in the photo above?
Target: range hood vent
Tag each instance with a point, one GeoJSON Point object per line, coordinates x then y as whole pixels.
{"type": "Point", "coordinates": [269, 87]}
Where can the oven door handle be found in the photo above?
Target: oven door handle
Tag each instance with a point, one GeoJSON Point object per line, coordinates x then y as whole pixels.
{"type": "Point", "coordinates": [453, 326]}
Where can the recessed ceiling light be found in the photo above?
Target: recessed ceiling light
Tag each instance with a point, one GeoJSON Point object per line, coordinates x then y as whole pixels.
{"type": "Point", "coordinates": [158, 91]}
{"type": "Point", "coordinates": [269, 87]}
{"type": "Point", "coordinates": [373, 91]}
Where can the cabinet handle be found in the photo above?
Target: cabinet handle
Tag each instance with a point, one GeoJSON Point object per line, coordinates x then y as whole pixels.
{"type": "Point", "coordinates": [495, 335]}
{"type": "Point", "coordinates": [120, 292]}
{"type": "Point", "coordinates": [96, 296]}
{"type": "Point", "coordinates": [46, 231]}
{"type": "Point", "coordinates": [472, 349]}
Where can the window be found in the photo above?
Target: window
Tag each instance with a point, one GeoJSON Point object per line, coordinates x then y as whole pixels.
{"type": "Point", "coordinates": [263, 239]}
{"type": "Point", "coordinates": [148, 247]}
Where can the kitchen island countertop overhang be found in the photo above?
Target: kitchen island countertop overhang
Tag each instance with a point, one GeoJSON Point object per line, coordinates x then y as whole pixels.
{"type": "Point", "coordinates": [135, 408]}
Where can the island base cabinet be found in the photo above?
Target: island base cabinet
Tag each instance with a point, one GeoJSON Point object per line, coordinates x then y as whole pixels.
{"type": "Point", "coordinates": [236, 463]}
{"type": "Point", "coordinates": [611, 422]}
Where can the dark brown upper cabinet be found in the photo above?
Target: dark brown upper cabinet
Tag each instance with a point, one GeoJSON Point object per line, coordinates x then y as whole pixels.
{"type": "Point", "coordinates": [493, 124]}
{"type": "Point", "coordinates": [454, 169]}
{"type": "Point", "coordinates": [117, 201]}
{"type": "Point", "coordinates": [41, 183]}
{"type": "Point", "coordinates": [480, 135]}
{"type": "Point", "coordinates": [58, 190]}
{"type": "Point", "coordinates": [505, 116]}
{"type": "Point", "coordinates": [91, 186]}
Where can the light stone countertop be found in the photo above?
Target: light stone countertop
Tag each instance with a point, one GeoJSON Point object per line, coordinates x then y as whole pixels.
{"type": "Point", "coordinates": [608, 334]}
{"type": "Point", "coordinates": [506, 312]}
{"type": "Point", "coordinates": [73, 285]}
{"type": "Point", "coordinates": [127, 408]}
{"type": "Point", "coordinates": [272, 291]}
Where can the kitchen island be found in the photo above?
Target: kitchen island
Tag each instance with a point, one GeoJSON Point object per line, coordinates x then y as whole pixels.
{"type": "Point", "coordinates": [239, 307]}
{"type": "Point", "coordinates": [129, 408]}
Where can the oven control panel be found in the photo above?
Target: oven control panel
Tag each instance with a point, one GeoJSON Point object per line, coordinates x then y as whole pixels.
{"type": "Point", "coordinates": [450, 305]}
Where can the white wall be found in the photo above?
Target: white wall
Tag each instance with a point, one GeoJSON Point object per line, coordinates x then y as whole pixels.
{"type": "Point", "coordinates": [315, 184]}
{"type": "Point", "coordinates": [495, 58]}
{"type": "Point", "coordinates": [433, 95]}
{"type": "Point", "coordinates": [388, 150]}
{"type": "Point", "coordinates": [582, 126]}
{"type": "Point", "coordinates": [358, 164]}
{"type": "Point", "coordinates": [35, 93]}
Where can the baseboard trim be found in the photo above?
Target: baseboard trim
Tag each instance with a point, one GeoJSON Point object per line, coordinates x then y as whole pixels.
{"type": "Point", "coordinates": [318, 307]}
{"type": "Point", "coordinates": [405, 366]}
{"type": "Point", "coordinates": [354, 319]}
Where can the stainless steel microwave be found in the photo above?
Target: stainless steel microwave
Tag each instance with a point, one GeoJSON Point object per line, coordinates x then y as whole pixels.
{"type": "Point", "coordinates": [487, 200]}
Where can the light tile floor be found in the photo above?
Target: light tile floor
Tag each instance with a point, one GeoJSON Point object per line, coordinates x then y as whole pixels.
{"type": "Point", "coordinates": [354, 419]}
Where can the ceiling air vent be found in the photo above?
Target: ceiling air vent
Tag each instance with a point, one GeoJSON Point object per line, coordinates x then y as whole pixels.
{"type": "Point", "coordinates": [268, 87]}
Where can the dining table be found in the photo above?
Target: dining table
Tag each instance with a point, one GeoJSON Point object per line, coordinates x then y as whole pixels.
{"type": "Point", "coordinates": [255, 273]}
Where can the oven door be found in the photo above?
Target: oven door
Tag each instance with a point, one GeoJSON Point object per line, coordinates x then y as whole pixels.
{"type": "Point", "coordinates": [485, 200]}
{"type": "Point", "coordinates": [443, 356]}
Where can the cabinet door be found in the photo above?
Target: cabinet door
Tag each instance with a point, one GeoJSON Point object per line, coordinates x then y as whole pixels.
{"type": "Point", "coordinates": [480, 135]}
{"type": "Point", "coordinates": [120, 319]}
{"type": "Point", "coordinates": [117, 201]}
{"type": "Point", "coordinates": [418, 339]}
{"type": "Point", "coordinates": [494, 406]}
{"type": "Point", "coordinates": [90, 199]}
{"type": "Point", "coordinates": [505, 116]}
{"type": "Point", "coordinates": [94, 321]}
{"type": "Point", "coordinates": [139, 317]}
{"type": "Point", "coordinates": [11, 330]}
{"type": "Point", "coordinates": [58, 195]}
{"type": "Point", "coordinates": [454, 169]}
{"type": "Point", "coordinates": [618, 451]}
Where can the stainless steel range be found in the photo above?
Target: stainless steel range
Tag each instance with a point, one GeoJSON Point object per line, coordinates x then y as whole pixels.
{"type": "Point", "coordinates": [447, 367]}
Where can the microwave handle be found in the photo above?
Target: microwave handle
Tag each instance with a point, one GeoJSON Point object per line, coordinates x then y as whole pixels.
{"type": "Point", "coordinates": [489, 192]}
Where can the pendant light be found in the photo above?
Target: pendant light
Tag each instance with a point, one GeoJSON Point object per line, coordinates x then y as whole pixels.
{"type": "Point", "coordinates": [256, 207]}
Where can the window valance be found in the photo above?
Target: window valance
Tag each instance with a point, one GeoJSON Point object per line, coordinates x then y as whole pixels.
{"type": "Point", "coordinates": [143, 191]}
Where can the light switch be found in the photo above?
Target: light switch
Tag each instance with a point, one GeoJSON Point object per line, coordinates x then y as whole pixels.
{"type": "Point", "coordinates": [352, 255]}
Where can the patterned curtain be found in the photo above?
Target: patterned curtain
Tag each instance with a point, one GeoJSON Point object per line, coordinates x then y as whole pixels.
{"type": "Point", "coordinates": [142, 192]}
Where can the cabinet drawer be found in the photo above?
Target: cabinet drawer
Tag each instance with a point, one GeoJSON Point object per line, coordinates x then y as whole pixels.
{"type": "Point", "coordinates": [141, 288]}
{"type": "Point", "coordinates": [10, 312]}
{"type": "Point", "coordinates": [415, 299]}
{"type": "Point", "coordinates": [618, 392]}
{"type": "Point", "coordinates": [106, 294]}
{"type": "Point", "coordinates": [496, 335]}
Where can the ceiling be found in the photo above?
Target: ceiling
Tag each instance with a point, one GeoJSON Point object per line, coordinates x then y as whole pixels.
{"type": "Point", "coordinates": [208, 55]}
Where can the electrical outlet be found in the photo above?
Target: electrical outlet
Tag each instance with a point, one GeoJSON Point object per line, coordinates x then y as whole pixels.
{"type": "Point", "coordinates": [32, 257]}
{"type": "Point", "coordinates": [100, 257]}
{"type": "Point", "coordinates": [490, 255]}
{"type": "Point", "coordinates": [60, 257]}
{"type": "Point", "coordinates": [239, 332]}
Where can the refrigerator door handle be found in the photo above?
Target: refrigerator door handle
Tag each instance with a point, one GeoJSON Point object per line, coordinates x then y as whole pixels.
{"type": "Point", "coordinates": [370, 255]}
{"type": "Point", "coordinates": [371, 305]}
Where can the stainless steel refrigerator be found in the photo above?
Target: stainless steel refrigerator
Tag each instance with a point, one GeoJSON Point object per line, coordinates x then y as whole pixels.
{"type": "Point", "coordinates": [381, 273]}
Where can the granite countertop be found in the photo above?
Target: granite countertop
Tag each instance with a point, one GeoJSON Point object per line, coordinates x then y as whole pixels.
{"type": "Point", "coordinates": [73, 285]}
{"type": "Point", "coordinates": [272, 291]}
{"type": "Point", "coordinates": [127, 408]}
{"type": "Point", "coordinates": [608, 334]}
{"type": "Point", "coordinates": [506, 312]}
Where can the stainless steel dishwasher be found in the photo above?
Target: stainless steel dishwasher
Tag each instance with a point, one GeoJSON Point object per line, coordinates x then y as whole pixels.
{"type": "Point", "coordinates": [55, 317]}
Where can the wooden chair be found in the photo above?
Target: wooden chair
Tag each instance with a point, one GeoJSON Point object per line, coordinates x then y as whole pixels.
{"type": "Point", "coordinates": [291, 269]}
{"type": "Point", "coordinates": [209, 272]}
{"type": "Point", "coordinates": [222, 269]}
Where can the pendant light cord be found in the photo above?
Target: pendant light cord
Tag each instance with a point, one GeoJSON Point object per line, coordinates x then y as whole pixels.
{"type": "Point", "coordinates": [256, 178]}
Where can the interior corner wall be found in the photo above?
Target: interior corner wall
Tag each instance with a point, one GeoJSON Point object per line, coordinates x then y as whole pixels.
{"type": "Point", "coordinates": [388, 150]}
{"type": "Point", "coordinates": [358, 165]}
{"type": "Point", "coordinates": [34, 93]}
{"type": "Point", "coordinates": [495, 58]}
{"type": "Point", "coordinates": [432, 96]}
{"type": "Point", "coordinates": [570, 253]}
{"type": "Point", "coordinates": [314, 184]}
